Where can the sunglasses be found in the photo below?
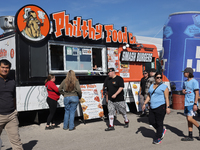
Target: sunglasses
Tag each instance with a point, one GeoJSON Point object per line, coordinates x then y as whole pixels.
{"type": "Point", "coordinates": [145, 73]}
{"type": "Point", "coordinates": [158, 77]}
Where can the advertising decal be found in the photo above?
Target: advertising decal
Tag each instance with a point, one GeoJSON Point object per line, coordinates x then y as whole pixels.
{"type": "Point", "coordinates": [135, 57]}
{"type": "Point", "coordinates": [7, 51]}
{"type": "Point", "coordinates": [32, 23]}
{"type": "Point", "coordinates": [34, 98]}
{"type": "Point", "coordinates": [135, 89]}
{"type": "Point", "coordinates": [113, 60]}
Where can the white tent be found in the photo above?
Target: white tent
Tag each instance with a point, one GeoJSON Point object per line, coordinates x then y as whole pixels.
{"type": "Point", "coordinates": [151, 40]}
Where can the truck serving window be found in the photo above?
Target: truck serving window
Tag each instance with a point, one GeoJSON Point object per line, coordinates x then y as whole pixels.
{"type": "Point", "coordinates": [78, 58]}
{"type": "Point", "coordinates": [56, 52]}
{"type": "Point", "coordinates": [81, 59]}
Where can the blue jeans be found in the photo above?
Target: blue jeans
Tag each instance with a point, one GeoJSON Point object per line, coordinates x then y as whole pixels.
{"type": "Point", "coordinates": [71, 103]}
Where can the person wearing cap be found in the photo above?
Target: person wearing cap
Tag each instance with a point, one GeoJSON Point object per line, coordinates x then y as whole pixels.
{"type": "Point", "coordinates": [142, 90]}
{"type": "Point", "coordinates": [115, 98]}
{"type": "Point", "coordinates": [191, 91]}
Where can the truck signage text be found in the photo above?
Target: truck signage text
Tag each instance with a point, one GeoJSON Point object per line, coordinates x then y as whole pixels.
{"type": "Point", "coordinates": [135, 57]}
{"type": "Point", "coordinates": [85, 29]}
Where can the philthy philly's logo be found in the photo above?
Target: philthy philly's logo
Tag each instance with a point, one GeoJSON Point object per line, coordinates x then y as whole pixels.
{"type": "Point", "coordinates": [33, 22]}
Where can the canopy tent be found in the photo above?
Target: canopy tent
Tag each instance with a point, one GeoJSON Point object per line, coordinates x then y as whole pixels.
{"type": "Point", "coordinates": [151, 40]}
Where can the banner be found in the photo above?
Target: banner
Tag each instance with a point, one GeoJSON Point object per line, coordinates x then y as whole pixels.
{"type": "Point", "coordinates": [91, 101]}
{"type": "Point", "coordinates": [135, 90]}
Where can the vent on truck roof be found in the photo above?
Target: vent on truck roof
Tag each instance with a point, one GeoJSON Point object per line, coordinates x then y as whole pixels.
{"type": "Point", "coordinates": [7, 23]}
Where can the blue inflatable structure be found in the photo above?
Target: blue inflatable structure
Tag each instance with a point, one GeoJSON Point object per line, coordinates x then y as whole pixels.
{"type": "Point", "coordinates": [181, 44]}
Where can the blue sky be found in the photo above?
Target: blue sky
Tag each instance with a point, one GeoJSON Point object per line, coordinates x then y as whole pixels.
{"type": "Point", "coordinates": [142, 17]}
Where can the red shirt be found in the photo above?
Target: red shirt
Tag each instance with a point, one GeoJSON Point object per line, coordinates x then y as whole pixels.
{"type": "Point", "coordinates": [52, 90]}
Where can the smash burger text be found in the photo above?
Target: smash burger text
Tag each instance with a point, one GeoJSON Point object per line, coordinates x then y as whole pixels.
{"type": "Point", "coordinates": [135, 57]}
{"type": "Point", "coordinates": [85, 29]}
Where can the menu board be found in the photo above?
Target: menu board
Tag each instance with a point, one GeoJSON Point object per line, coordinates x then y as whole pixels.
{"type": "Point", "coordinates": [91, 101]}
{"type": "Point", "coordinates": [125, 69]}
{"type": "Point", "coordinates": [113, 60]}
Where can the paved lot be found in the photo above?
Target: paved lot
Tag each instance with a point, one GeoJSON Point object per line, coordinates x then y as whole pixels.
{"type": "Point", "coordinates": [92, 135]}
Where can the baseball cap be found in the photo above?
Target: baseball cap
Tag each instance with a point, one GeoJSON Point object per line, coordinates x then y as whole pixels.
{"type": "Point", "coordinates": [188, 70]}
{"type": "Point", "coordinates": [153, 70]}
{"type": "Point", "coordinates": [111, 69]}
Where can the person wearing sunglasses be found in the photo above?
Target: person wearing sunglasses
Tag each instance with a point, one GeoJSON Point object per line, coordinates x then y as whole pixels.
{"type": "Point", "coordinates": [158, 96]}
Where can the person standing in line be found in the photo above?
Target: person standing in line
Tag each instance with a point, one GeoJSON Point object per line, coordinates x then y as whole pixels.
{"type": "Point", "coordinates": [191, 91]}
{"type": "Point", "coordinates": [142, 91]}
{"type": "Point", "coordinates": [53, 96]}
{"type": "Point", "coordinates": [159, 105]}
{"type": "Point", "coordinates": [115, 98]}
{"type": "Point", "coordinates": [8, 113]}
{"type": "Point", "coordinates": [70, 89]}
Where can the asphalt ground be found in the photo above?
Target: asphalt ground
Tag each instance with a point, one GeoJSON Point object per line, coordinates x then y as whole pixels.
{"type": "Point", "coordinates": [92, 135]}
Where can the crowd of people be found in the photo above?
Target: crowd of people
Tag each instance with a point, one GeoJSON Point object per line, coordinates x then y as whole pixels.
{"type": "Point", "coordinates": [153, 93]}
{"type": "Point", "coordinates": [156, 95]}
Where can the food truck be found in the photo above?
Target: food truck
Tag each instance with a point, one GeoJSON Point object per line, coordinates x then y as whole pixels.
{"type": "Point", "coordinates": [38, 45]}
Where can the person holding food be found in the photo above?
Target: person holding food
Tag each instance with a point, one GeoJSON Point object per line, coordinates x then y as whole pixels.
{"type": "Point", "coordinates": [70, 89]}
{"type": "Point", "coordinates": [159, 105]}
{"type": "Point", "coordinates": [115, 98]}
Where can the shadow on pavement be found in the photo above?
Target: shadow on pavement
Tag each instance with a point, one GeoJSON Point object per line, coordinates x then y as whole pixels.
{"type": "Point", "coordinates": [180, 113]}
{"type": "Point", "coordinates": [174, 130]}
{"type": "Point", "coordinates": [168, 127]}
{"type": "Point", "coordinates": [149, 133]}
{"type": "Point", "coordinates": [116, 122]}
{"type": "Point", "coordinates": [143, 119]}
{"type": "Point", "coordinates": [28, 146]}
{"type": "Point", "coordinates": [197, 117]}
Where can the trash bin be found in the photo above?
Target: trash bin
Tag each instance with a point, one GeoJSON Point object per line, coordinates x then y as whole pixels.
{"type": "Point", "coordinates": [178, 100]}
